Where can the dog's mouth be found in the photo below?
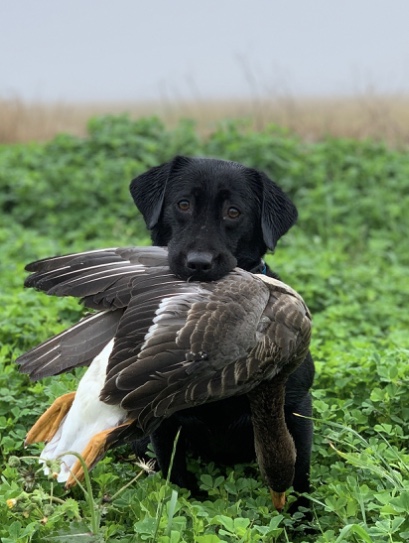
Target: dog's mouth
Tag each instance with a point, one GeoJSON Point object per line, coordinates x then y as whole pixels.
{"type": "Point", "coordinates": [201, 265]}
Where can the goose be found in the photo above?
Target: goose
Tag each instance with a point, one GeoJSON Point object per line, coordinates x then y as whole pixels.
{"type": "Point", "coordinates": [156, 344]}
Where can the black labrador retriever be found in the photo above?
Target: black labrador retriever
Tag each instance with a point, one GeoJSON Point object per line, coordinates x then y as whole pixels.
{"type": "Point", "coordinates": [214, 215]}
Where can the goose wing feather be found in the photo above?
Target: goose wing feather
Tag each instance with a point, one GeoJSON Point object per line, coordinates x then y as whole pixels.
{"type": "Point", "coordinates": [146, 256]}
{"type": "Point", "coordinates": [90, 274]}
{"type": "Point", "coordinates": [74, 347]}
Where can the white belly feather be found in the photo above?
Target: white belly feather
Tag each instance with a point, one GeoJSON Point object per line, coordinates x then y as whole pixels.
{"type": "Point", "coordinates": [86, 417]}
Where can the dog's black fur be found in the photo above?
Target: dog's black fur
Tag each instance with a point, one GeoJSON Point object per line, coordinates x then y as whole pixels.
{"type": "Point", "coordinates": [214, 215]}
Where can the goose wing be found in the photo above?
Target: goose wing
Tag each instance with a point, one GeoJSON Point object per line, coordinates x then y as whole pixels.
{"type": "Point", "coordinates": [70, 349]}
{"type": "Point", "coordinates": [207, 342]}
{"type": "Point", "coordinates": [101, 279]}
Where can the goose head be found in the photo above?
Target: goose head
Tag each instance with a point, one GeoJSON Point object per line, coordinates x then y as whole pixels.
{"type": "Point", "coordinates": [274, 446]}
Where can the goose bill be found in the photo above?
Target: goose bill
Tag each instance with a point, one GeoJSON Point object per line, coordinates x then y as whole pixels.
{"type": "Point", "coordinates": [278, 499]}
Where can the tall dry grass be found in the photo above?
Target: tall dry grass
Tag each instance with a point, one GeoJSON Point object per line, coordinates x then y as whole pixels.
{"type": "Point", "coordinates": [365, 116]}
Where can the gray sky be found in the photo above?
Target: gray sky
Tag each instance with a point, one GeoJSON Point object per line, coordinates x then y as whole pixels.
{"type": "Point", "coordinates": [154, 49]}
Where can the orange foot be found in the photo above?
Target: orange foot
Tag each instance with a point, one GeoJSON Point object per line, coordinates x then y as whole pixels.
{"type": "Point", "coordinates": [96, 448]}
{"type": "Point", "coordinates": [49, 422]}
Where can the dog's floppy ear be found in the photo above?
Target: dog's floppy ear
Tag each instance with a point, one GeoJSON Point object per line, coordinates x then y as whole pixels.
{"type": "Point", "coordinates": [148, 189]}
{"type": "Point", "coordinates": [278, 213]}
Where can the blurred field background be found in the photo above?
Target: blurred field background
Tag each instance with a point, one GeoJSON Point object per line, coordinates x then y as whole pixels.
{"type": "Point", "coordinates": [348, 256]}
{"type": "Point", "coordinates": [366, 115]}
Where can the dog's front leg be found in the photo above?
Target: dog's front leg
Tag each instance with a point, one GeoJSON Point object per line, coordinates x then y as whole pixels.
{"type": "Point", "coordinates": [163, 441]}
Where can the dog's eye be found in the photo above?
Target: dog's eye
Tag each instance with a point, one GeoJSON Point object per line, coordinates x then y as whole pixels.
{"type": "Point", "coordinates": [184, 205]}
{"type": "Point", "coordinates": [233, 213]}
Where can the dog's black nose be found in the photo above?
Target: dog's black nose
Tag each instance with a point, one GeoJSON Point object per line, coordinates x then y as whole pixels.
{"type": "Point", "coordinates": [199, 262]}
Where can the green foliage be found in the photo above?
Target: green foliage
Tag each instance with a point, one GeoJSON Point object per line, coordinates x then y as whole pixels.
{"type": "Point", "coordinates": [348, 257]}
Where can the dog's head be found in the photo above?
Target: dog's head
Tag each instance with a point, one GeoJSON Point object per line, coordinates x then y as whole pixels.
{"type": "Point", "coordinates": [212, 214]}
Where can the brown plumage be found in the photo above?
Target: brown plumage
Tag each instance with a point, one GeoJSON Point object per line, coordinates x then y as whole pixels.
{"type": "Point", "coordinates": [176, 345]}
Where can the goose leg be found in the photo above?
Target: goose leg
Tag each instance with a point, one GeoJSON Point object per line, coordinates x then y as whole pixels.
{"type": "Point", "coordinates": [49, 422]}
{"type": "Point", "coordinates": [95, 449]}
